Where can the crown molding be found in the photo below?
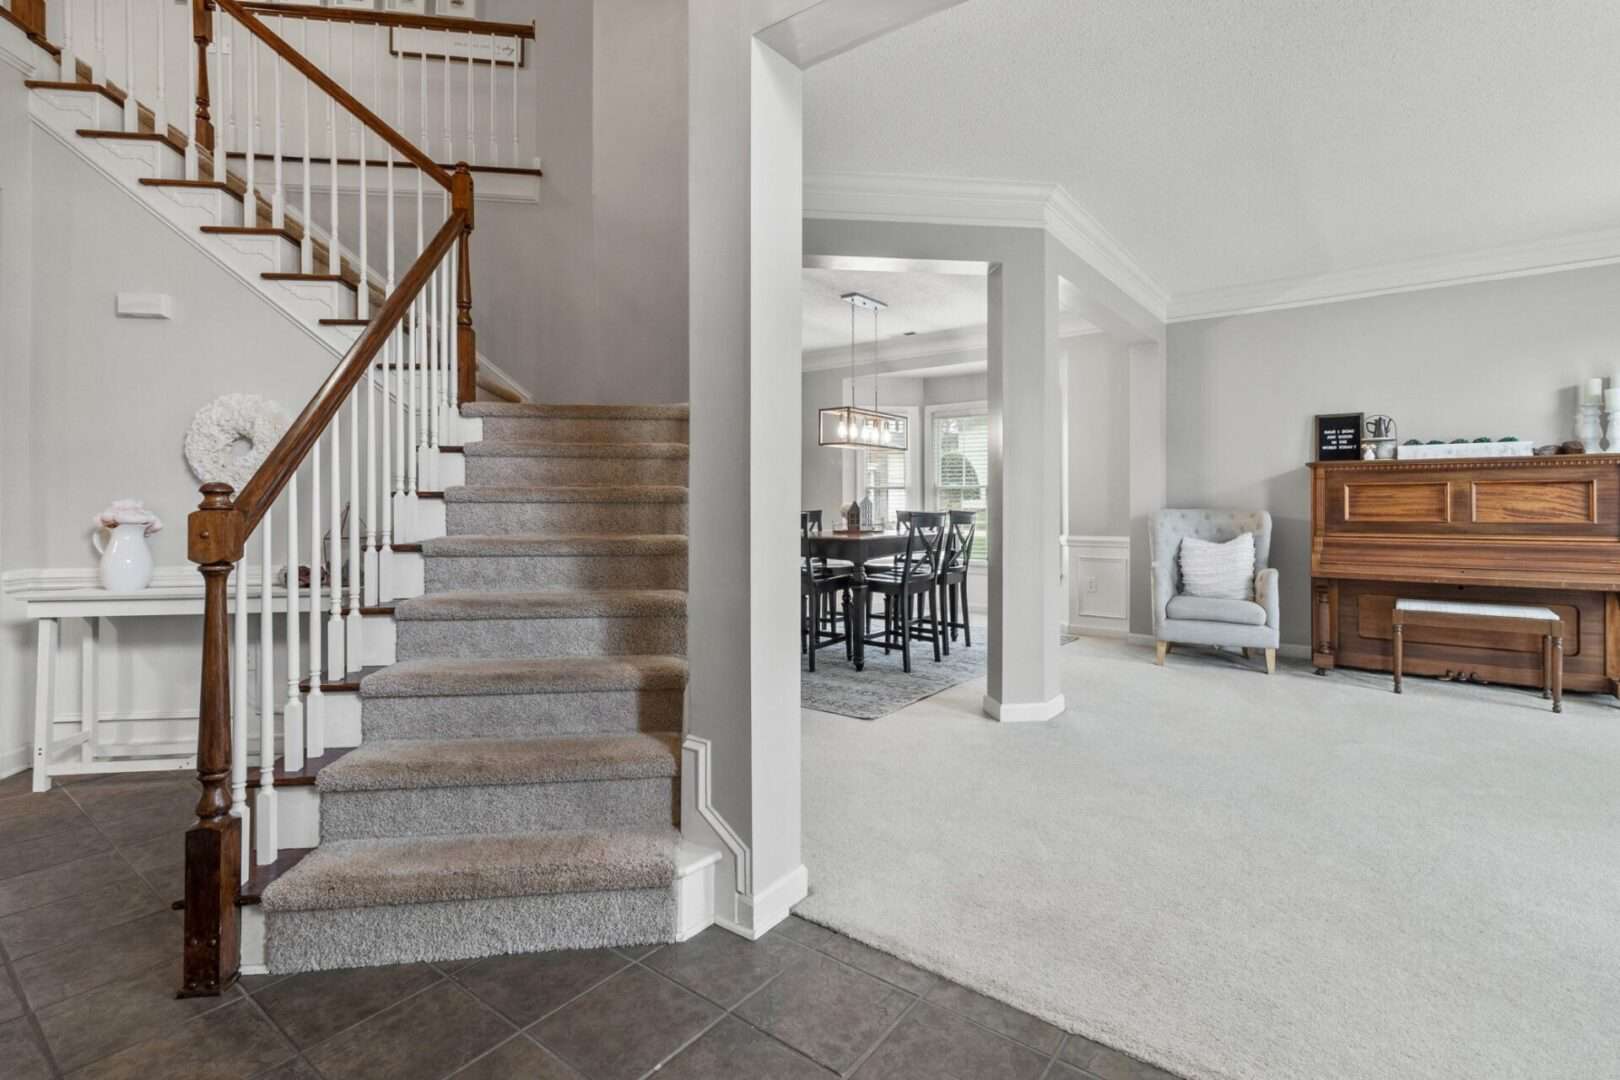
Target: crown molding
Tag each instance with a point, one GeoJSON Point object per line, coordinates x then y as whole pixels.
{"type": "Point", "coordinates": [938, 200]}
{"type": "Point", "coordinates": [1597, 248]}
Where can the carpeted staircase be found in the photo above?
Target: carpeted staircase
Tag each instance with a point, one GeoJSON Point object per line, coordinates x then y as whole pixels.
{"type": "Point", "coordinates": [517, 787]}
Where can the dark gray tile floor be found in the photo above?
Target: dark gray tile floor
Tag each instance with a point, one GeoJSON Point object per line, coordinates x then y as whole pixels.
{"type": "Point", "coordinates": [89, 963]}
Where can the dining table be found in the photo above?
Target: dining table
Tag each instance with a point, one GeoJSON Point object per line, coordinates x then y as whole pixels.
{"type": "Point", "coordinates": [856, 548]}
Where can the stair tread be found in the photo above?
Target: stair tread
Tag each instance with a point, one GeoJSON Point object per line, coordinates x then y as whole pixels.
{"type": "Point", "coordinates": [544, 449]}
{"type": "Point", "coordinates": [476, 545]}
{"type": "Point", "coordinates": [551, 604]}
{"type": "Point", "coordinates": [434, 677]}
{"type": "Point", "coordinates": [415, 764]}
{"type": "Point", "coordinates": [575, 493]}
{"type": "Point", "coordinates": [418, 870]}
{"type": "Point", "coordinates": [549, 411]}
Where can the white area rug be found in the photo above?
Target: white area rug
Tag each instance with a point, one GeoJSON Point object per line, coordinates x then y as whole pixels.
{"type": "Point", "coordinates": [1233, 876]}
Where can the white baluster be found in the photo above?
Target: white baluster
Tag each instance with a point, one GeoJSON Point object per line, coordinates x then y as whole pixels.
{"type": "Point", "coordinates": [239, 717]}
{"type": "Point", "coordinates": [160, 107]}
{"type": "Point", "coordinates": [315, 706]}
{"type": "Point", "coordinates": [335, 663]}
{"type": "Point", "coordinates": [417, 337]}
{"type": "Point", "coordinates": [332, 258]}
{"type": "Point", "coordinates": [368, 574]}
{"type": "Point", "coordinates": [430, 426]}
{"type": "Point", "coordinates": [132, 118]}
{"type": "Point", "coordinates": [100, 70]}
{"type": "Point", "coordinates": [306, 245]}
{"type": "Point", "coordinates": [265, 805]}
{"type": "Point", "coordinates": [453, 390]}
{"type": "Point", "coordinates": [225, 118]}
{"type": "Point", "coordinates": [494, 139]}
{"type": "Point", "coordinates": [517, 54]}
{"type": "Point", "coordinates": [447, 354]}
{"type": "Point", "coordinates": [363, 296]}
{"type": "Point", "coordinates": [250, 198]}
{"type": "Point", "coordinates": [352, 648]}
{"type": "Point", "coordinates": [472, 120]}
{"type": "Point", "coordinates": [188, 112]}
{"type": "Point", "coordinates": [278, 202]}
{"type": "Point", "coordinates": [292, 713]}
{"type": "Point", "coordinates": [68, 60]}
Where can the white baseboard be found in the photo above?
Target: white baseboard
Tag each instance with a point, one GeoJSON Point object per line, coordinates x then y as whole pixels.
{"type": "Point", "coordinates": [1023, 712]}
{"type": "Point", "coordinates": [754, 916]}
{"type": "Point", "coordinates": [15, 760]}
{"type": "Point", "coordinates": [1097, 626]}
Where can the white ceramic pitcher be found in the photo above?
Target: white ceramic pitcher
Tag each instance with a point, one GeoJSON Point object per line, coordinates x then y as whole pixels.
{"type": "Point", "coordinates": [126, 561]}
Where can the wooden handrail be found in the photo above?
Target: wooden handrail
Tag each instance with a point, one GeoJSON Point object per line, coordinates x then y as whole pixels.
{"type": "Point", "coordinates": [396, 18]}
{"type": "Point", "coordinates": [265, 486]}
{"type": "Point", "coordinates": [379, 127]}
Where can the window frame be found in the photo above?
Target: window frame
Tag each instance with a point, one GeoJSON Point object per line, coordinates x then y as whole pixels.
{"type": "Point", "coordinates": [946, 411]}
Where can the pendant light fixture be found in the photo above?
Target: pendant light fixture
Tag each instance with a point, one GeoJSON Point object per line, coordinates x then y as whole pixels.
{"type": "Point", "coordinates": [849, 427]}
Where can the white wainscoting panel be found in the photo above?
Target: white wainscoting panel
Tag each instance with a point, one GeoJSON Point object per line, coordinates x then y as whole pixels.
{"type": "Point", "coordinates": [1098, 569]}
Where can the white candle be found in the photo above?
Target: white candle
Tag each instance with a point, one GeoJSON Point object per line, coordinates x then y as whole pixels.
{"type": "Point", "coordinates": [1611, 399]}
{"type": "Point", "coordinates": [1594, 390]}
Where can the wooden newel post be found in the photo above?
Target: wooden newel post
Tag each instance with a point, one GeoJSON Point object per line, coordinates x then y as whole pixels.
{"type": "Point", "coordinates": [461, 199]}
{"type": "Point", "coordinates": [214, 842]}
{"type": "Point", "coordinates": [202, 32]}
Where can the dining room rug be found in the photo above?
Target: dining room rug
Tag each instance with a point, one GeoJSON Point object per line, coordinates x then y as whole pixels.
{"type": "Point", "coordinates": [884, 687]}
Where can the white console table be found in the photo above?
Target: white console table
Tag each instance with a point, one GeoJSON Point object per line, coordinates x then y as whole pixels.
{"type": "Point", "coordinates": [49, 607]}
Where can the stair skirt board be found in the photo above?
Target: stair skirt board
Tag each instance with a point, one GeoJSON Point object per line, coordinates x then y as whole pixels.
{"type": "Point", "coordinates": [509, 808]}
{"type": "Point", "coordinates": [464, 929]}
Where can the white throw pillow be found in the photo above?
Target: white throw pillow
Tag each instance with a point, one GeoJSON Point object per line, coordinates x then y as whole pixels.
{"type": "Point", "coordinates": [1218, 571]}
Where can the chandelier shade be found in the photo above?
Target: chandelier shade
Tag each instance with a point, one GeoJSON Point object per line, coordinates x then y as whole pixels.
{"type": "Point", "coordinates": [849, 427]}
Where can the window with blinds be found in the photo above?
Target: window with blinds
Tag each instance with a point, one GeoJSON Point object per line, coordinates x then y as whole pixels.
{"type": "Point", "coordinates": [959, 450]}
{"type": "Point", "coordinates": [886, 482]}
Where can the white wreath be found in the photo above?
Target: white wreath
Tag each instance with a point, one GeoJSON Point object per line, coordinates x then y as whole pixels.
{"type": "Point", "coordinates": [211, 442]}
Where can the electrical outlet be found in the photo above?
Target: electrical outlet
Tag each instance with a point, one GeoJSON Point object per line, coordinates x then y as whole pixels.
{"type": "Point", "coordinates": [1091, 584]}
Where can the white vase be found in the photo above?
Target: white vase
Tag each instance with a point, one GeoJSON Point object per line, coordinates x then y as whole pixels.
{"type": "Point", "coordinates": [126, 561]}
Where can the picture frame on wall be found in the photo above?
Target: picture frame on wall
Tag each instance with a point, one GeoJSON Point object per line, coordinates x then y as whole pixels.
{"type": "Point", "coordinates": [456, 9]}
{"type": "Point", "coordinates": [1338, 437]}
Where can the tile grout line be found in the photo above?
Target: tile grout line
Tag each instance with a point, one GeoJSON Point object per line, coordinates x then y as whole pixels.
{"type": "Point", "coordinates": [861, 1061]}
{"type": "Point", "coordinates": [43, 1044]}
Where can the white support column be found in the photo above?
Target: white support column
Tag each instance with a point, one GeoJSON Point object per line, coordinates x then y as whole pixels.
{"type": "Point", "coordinates": [160, 106]}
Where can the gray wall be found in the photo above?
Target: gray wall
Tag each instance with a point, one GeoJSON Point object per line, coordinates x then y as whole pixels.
{"type": "Point", "coordinates": [1099, 422]}
{"type": "Point", "coordinates": [1498, 358]}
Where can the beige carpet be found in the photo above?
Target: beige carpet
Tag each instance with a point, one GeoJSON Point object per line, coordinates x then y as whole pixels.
{"type": "Point", "coordinates": [1233, 876]}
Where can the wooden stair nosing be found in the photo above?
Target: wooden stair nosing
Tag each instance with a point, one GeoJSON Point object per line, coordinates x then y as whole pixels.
{"type": "Point", "coordinates": [332, 279]}
{"type": "Point", "coordinates": [261, 876]}
{"type": "Point", "coordinates": [304, 777]}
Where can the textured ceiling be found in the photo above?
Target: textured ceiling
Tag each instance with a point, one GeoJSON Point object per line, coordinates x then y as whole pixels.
{"type": "Point", "coordinates": [1225, 142]}
{"type": "Point", "coordinates": [919, 303]}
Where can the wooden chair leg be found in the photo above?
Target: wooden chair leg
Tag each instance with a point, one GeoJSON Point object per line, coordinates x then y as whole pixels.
{"type": "Point", "coordinates": [815, 627]}
{"type": "Point", "coordinates": [967, 631]}
{"type": "Point", "coordinates": [933, 620]}
{"type": "Point", "coordinates": [1400, 654]}
{"type": "Point", "coordinates": [950, 597]}
{"type": "Point", "coordinates": [1271, 661]}
{"type": "Point", "coordinates": [905, 634]}
{"type": "Point", "coordinates": [1161, 649]}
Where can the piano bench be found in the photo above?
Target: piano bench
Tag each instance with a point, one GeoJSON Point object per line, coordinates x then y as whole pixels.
{"type": "Point", "coordinates": [1487, 618]}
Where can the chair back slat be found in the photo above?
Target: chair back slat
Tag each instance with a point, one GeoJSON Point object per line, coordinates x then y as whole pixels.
{"type": "Point", "coordinates": [964, 524]}
{"type": "Point", "coordinates": [925, 543]}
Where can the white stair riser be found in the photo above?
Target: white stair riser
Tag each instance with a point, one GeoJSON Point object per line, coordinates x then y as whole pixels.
{"type": "Point", "coordinates": [298, 816]}
{"type": "Point", "coordinates": [403, 575]}
{"type": "Point", "coordinates": [317, 299]}
{"type": "Point", "coordinates": [259, 254]}
{"type": "Point", "coordinates": [378, 635]}
{"type": "Point", "coordinates": [508, 518]}
{"type": "Point", "coordinates": [82, 109]}
{"type": "Point", "coordinates": [143, 158]}
{"type": "Point", "coordinates": [474, 639]}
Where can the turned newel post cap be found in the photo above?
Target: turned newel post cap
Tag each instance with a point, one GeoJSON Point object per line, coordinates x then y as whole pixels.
{"type": "Point", "coordinates": [216, 496]}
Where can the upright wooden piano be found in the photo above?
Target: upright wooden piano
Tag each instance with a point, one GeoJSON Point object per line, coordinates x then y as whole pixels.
{"type": "Point", "coordinates": [1542, 531]}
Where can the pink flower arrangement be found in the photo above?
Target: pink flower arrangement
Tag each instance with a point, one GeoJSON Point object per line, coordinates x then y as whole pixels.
{"type": "Point", "coordinates": [128, 512]}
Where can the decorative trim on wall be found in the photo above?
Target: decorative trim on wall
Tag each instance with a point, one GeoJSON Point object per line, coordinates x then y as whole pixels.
{"type": "Point", "coordinates": [699, 753]}
{"type": "Point", "coordinates": [19, 52]}
{"type": "Point", "coordinates": [944, 200]}
{"type": "Point", "coordinates": [1598, 248]}
{"type": "Point", "coordinates": [1097, 570]}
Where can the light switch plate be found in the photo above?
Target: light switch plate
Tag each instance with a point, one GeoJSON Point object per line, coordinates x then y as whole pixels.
{"type": "Point", "coordinates": [145, 306]}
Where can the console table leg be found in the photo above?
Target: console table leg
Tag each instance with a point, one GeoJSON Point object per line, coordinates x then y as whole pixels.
{"type": "Point", "coordinates": [1546, 668]}
{"type": "Point", "coordinates": [1558, 674]}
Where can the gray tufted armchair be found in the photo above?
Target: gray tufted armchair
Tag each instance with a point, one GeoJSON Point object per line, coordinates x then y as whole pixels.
{"type": "Point", "coordinates": [1196, 620]}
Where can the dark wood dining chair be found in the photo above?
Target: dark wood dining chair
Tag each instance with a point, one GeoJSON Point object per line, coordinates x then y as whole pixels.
{"type": "Point", "coordinates": [821, 586]}
{"type": "Point", "coordinates": [909, 584]}
{"type": "Point", "coordinates": [953, 571]}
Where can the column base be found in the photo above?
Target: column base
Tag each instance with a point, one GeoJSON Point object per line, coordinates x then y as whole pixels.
{"type": "Point", "coordinates": [1022, 712]}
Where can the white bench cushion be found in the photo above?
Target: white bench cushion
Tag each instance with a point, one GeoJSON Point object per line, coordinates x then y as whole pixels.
{"type": "Point", "coordinates": [1459, 607]}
